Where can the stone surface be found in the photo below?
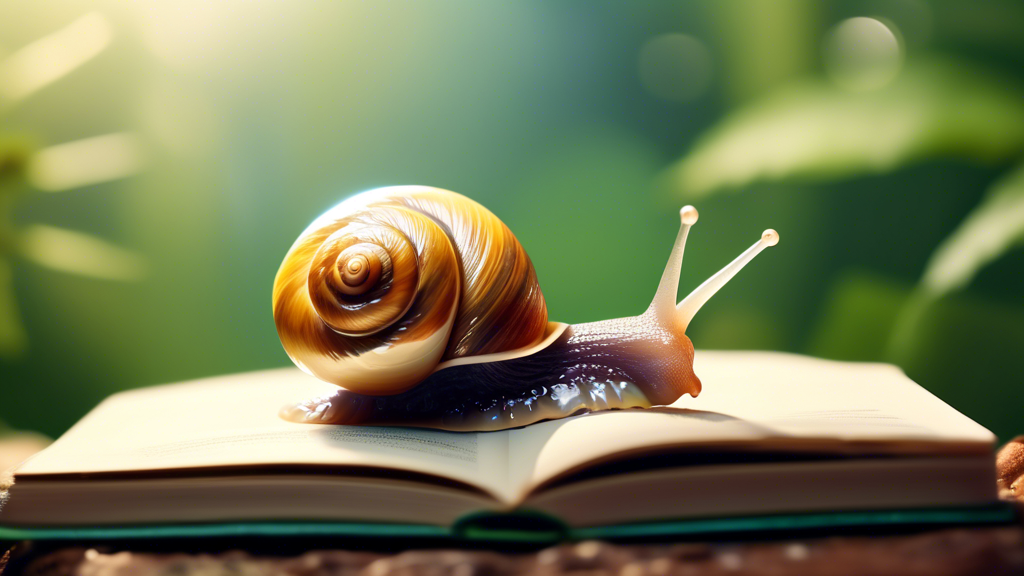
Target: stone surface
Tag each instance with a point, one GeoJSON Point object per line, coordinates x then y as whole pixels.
{"type": "Point", "coordinates": [993, 551]}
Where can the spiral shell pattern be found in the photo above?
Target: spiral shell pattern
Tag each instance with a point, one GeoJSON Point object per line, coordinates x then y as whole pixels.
{"type": "Point", "coordinates": [384, 286]}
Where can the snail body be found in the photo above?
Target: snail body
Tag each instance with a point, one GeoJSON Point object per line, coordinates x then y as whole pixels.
{"type": "Point", "coordinates": [424, 308]}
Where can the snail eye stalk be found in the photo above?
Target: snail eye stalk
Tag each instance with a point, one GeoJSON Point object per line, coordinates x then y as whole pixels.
{"type": "Point", "coordinates": [689, 306]}
{"type": "Point", "coordinates": [664, 304]}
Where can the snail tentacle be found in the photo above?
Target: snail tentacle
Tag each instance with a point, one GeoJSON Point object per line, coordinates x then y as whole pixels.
{"type": "Point", "coordinates": [689, 306]}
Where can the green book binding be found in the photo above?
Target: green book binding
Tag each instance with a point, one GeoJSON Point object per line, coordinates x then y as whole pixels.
{"type": "Point", "coordinates": [536, 528]}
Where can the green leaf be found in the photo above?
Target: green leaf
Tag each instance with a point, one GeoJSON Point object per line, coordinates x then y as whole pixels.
{"type": "Point", "coordinates": [78, 253]}
{"type": "Point", "coordinates": [15, 152]}
{"type": "Point", "coordinates": [988, 231]}
{"type": "Point", "coordinates": [13, 340]}
{"type": "Point", "coordinates": [814, 130]}
{"type": "Point", "coordinates": [857, 316]}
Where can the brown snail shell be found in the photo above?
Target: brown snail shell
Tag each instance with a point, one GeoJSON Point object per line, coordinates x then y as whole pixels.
{"type": "Point", "coordinates": [385, 286]}
{"type": "Point", "coordinates": [423, 306]}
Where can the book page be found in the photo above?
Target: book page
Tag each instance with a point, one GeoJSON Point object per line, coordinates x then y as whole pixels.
{"type": "Point", "coordinates": [761, 401]}
{"type": "Point", "coordinates": [233, 421]}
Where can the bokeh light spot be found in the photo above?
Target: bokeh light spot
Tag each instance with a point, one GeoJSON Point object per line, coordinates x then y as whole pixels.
{"type": "Point", "coordinates": [676, 67]}
{"type": "Point", "coordinates": [914, 19]}
{"type": "Point", "coordinates": [862, 54]}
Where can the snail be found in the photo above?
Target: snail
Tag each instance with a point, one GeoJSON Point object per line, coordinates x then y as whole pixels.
{"type": "Point", "coordinates": [424, 308]}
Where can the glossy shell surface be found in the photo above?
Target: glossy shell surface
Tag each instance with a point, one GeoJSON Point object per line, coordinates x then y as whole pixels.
{"type": "Point", "coordinates": [386, 285]}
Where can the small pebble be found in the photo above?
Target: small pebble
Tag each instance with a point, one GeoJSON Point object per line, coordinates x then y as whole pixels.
{"type": "Point", "coordinates": [549, 556]}
{"type": "Point", "coordinates": [730, 560]}
{"type": "Point", "coordinates": [661, 566]}
{"type": "Point", "coordinates": [797, 552]}
{"type": "Point", "coordinates": [379, 567]}
{"type": "Point", "coordinates": [588, 550]}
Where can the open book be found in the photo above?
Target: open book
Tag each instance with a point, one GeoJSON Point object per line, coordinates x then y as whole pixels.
{"type": "Point", "coordinates": [771, 434]}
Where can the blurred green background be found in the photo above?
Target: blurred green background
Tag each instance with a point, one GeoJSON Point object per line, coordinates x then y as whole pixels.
{"type": "Point", "coordinates": [157, 159]}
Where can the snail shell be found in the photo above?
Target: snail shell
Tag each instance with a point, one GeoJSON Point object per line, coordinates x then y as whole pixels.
{"type": "Point", "coordinates": [383, 287]}
{"type": "Point", "coordinates": [425, 309]}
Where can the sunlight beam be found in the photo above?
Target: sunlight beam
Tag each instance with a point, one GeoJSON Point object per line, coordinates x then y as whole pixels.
{"type": "Point", "coordinates": [52, 57]}
{"type": "Point", "coordinates": [84, 162]}
{"type": "Point", "coordinates": [78, 253]}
